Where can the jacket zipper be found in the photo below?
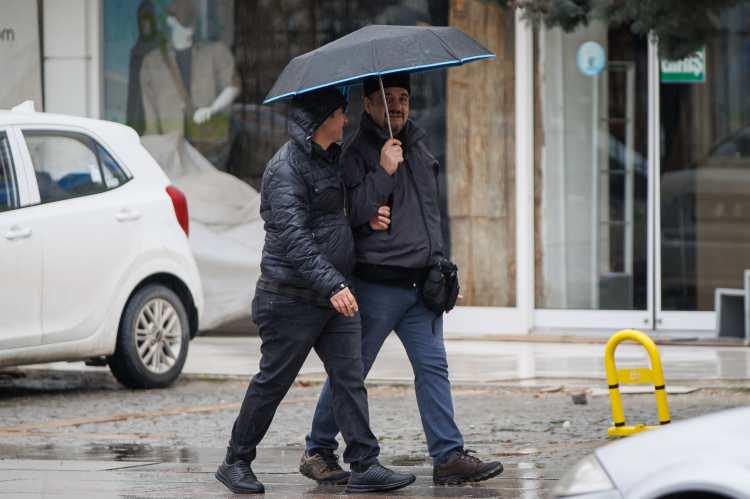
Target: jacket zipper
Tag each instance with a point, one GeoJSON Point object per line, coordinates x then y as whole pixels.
{"type": "Point", "coordinates": [344, 193]}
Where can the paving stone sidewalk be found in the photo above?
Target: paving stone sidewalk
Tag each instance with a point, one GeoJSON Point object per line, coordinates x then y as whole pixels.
{"type": "Point", "coordinates": [79, 434]}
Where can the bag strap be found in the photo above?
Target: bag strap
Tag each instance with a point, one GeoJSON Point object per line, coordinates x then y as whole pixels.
{"type": "Point", "coordinates": [174, 72]}
{"type": "Point", "coordinates": [435, 169]}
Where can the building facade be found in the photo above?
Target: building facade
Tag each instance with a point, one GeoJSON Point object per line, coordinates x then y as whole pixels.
{"type": "Point", "coordinates": [587, 185]}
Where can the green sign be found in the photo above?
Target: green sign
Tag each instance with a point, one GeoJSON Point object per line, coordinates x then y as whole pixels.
{"type": "Point", "coordinates": [691, 69]}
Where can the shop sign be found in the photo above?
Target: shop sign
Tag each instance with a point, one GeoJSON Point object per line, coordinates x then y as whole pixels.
{"type": "Point", "coordinates": [691, 69]}
{"type": "Point", "coordinates": [591, 58]}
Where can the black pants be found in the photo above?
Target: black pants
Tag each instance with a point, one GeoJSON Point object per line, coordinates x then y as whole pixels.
{"type": "Point", "coordinates": [289, 329]}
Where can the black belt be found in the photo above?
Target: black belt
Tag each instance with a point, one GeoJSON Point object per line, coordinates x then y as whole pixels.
{"type": "Point", "coordinates": [306, 295]}
{"type": "Point", "coordinates": [391, 275]}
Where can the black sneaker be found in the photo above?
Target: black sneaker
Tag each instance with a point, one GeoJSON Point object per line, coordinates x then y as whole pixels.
{"type": "Point", "coordinates": [462, 467]}
{"type": "Point", "coordinates": [323, 467]}
{"type": "Point", "coordinates": [239, 477]}
{"type": "Point", "coordinates": [378, 478]}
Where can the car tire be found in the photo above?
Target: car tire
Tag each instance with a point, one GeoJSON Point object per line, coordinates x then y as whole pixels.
{"type": "Point", "coordinates": [152, 340]}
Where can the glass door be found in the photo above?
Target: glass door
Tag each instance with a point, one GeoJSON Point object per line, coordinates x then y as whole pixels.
{"type": "Point", "coordinates": [591, 171]}
{"type": "Point", "coordinates": [704, 176]}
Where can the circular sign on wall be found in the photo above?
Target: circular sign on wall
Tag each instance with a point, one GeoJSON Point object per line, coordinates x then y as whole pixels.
{"type": "Point", "coordinates": [591, 58]}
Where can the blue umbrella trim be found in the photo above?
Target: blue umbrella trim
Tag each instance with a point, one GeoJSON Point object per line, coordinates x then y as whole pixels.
{"type": "Point", "coordinates": [412, 69]}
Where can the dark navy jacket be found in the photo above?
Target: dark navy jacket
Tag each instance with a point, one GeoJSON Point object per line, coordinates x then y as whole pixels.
{"type": "Point", "coordinates": [309, 240]}
{"type": "Point", "coordinates": [415, 236]}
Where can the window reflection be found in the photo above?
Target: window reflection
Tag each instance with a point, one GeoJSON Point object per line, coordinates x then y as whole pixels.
{"type": "Point", "coordinates": [705, 173]}
{"type": "Point", "coordinates": [166, 60]}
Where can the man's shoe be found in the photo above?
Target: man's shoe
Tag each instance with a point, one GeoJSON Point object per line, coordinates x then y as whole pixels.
{"type": "Point", "coordinates": [378, 478]}
{"type": "Point", "coordinates": [239, 477]}
{"type": "Point", "coordinates": [323, 467]}
{"type": "Point", "coordinates": [462, 467]}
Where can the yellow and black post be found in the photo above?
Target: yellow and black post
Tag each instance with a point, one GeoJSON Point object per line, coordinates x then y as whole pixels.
{"type": "Point", "coordinates": [635, 376]}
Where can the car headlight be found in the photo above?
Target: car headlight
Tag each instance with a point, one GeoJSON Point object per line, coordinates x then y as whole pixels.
{"type": "Point", "coordinates": [585, 477]}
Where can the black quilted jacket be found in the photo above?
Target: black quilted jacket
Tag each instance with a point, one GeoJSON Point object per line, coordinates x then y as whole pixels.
{"type": "Point", "coordinates": [308, 238]}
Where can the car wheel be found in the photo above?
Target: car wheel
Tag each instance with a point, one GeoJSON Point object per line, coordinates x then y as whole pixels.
{"type": "Point", "coordinates": [152, 341]}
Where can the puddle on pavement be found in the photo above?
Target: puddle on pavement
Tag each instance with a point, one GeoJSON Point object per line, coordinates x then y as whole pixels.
{"type": "Point", "coordinates": [19, 383]}
{"type": "Point", "coordinates": [110, 452]}
{"type": "Point", "coordinates": [276, 467]}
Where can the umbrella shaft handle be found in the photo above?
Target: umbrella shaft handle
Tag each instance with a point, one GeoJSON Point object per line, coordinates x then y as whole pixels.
{"type": "Point", "coordinates": [385, 106]}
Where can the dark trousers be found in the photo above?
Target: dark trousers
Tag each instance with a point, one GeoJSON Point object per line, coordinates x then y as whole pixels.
{"type": "Point", "coordinates": [385, 309]}
{"type": "Point", "coordinates": [289, 329]}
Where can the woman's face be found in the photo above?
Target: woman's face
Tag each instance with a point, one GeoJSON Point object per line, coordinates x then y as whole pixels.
{"type": "Point", "coordinates": [181, 36]}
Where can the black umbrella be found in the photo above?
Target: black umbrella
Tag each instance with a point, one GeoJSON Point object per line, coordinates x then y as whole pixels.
{"type": "Point", "coordinates": [376, 50]}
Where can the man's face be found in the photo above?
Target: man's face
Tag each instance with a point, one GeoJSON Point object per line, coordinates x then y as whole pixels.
{"type": "Point", "coordinates": [333, 126]}
{"type": "Point", "coordinates": [398, 108]}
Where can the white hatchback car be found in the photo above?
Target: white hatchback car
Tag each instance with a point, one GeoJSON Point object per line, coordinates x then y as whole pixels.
{"type": "Point", "coordinates": [94, 253]}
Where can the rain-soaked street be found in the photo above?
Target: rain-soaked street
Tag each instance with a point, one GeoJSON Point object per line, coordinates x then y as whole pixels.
{"type": "Point", "coordinates": [80, 434]}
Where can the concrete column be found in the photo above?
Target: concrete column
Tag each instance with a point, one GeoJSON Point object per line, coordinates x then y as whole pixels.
{"type": "Point", "coordinates": [71, 54]}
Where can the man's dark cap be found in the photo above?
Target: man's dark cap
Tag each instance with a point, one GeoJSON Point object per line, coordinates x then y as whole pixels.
{"type": "Point", "coordinates": [400, 80]}
{"type": "Point", "coordinates": [320, 104]}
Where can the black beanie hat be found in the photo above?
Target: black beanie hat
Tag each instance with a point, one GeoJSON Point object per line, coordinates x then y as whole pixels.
{"type": "Point", "coordinates": [400, 80]}
{"type": "Point", "coordinates": [320, 104]}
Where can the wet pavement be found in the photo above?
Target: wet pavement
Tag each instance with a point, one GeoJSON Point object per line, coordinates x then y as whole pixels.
{"type": "Point", "coordinates": [79, 434]}
{"type": "Point", "coordinates": [67, 430]}
{"type": "Point", "coordinates": [144, 472]}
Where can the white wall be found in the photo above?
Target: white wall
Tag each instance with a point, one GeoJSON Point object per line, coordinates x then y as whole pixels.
{"type": "Point", "coordinates": [72, 58]}
{"type": "Point", "coordinates": [19, 54]}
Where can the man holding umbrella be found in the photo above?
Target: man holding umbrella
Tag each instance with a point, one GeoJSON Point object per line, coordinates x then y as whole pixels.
{"type": "Point", "coordinates": [303, 299]}
{"type": "Point", "coordinates": [392, 186]}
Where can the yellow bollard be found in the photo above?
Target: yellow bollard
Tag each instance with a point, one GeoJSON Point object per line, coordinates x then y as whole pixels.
{"type": "Point", "coordinates": [636, 376]}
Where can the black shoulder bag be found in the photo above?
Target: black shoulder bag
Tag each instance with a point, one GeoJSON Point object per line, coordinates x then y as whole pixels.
{"type": "Point", "coordinates": [440, 290]}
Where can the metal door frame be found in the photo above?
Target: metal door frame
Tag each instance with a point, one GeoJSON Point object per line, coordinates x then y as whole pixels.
{"type": "Point", "coordinates": [665, 323]}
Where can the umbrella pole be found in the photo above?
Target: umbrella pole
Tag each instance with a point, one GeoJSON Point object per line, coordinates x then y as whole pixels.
{"type": "Point", "coordinates": [385, 105]}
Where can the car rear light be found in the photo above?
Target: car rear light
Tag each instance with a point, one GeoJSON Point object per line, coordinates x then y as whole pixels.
{"type": "Point", "coordinates": [179, 201]}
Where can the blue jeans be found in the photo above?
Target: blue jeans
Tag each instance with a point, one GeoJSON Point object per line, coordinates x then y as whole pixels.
{"type": "Point", "coordinates": [388, 308]}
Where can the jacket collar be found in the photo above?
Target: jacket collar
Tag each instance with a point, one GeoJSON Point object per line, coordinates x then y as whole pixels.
{"type": "Point", "coordinates": [409, 135]}
{"type": "Point", "coordinates": [329, 156]}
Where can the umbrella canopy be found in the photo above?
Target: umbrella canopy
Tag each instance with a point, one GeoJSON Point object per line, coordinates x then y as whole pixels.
{"type": "Point", "coordinates": [375, 51]}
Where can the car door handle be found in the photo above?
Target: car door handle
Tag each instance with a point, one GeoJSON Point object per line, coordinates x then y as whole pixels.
{"type": "Point", "coordinates": [17, 232]}
{"type": "Point", "coordinates": [127, 215]}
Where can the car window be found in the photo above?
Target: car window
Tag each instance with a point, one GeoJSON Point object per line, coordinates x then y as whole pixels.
{"type": "Point", "coordinates": [65, 165]}
{"type": "Point", "coordinates": [8, 184]}
{"type": "Point", "coordinates": [113, 174]}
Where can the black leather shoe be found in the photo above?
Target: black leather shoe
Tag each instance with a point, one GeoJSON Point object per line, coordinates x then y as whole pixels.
{"type": "Point", "coordinates": [378, 478]}
{"type": "Point", "coordinates": [239, 477]}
